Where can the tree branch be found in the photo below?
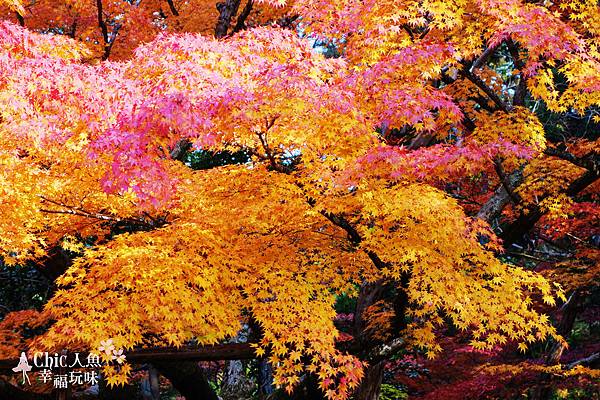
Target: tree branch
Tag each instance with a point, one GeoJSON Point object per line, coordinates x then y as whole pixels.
{"type": "Point", "coordinates": [496, 203]}
{"type": "Point", "coordinates": [591, 162]}
{"type": "Point", "coordinates": [20, 19]}
{"type": "Point", "coordinates": [525, 222]}
{"type": "Point", "coordinates": [587, 361]}
{"type": "Point", "coordinates": [111, 41]}
{"type": "Point", "coordinates": [241, 19]}
{"type": "Point", "coordinates": [521, 90]}
{"type": "Point", "coordinates": [172, 8]}
{"type": "Point", "coordinates": [101, 22]}
{"type": "Point", "coordinates": [482, 59]}
{"type": "Point", "coordinates": [216, 352]}
{"type": "Point", "coordinates": [354, 236]}
{"type": "Point", "coordinates": [78, 211]}
{"type": "Point", "coordinates": [505, 180]}
{"type": "Point", "coordinates": [477, 81]}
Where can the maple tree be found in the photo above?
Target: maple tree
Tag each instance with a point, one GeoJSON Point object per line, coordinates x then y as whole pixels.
{"type": "Point", "coordinates": [115, 29]}
{"type": "Point", "coordinates": [375, 174]}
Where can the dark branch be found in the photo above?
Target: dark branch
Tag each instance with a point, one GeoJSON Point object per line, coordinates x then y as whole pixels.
{"type": "Point", "coordinates": [172, 8]}
{"type": "Point", "coordinates": [591, 162]}
{"type": "Point", "coordinates": [227, 10]}
{"type": "Point", "coordinates": [477, 81]}
{"type": "Point", "coordinates": [20, 19]}
{"type": "Point", "coordinates": [354, 236]}
{"type": "Point", "coordinates": [73, 30]}
{"type": "Point", "coordinates": [521, 90]}
{"type": "Point", "coordinates": [506, 183]}
{"type": "Point", "coordinates": [496, 203]}
{"type": "Point", "coordinates": [111, 41]}
{"type": "Point", "coordinates": [482, 59]}
{"type": "Point", "coordinates": [78, 211]}
{"type": "Point", "coordinates": [241, 19]}
{"type": "Point", "coordinates": [587, 361]}
{"type": "Point", "coordinates": [101, 22]}
{"type": "Point", "coordinates": [227, 351]}
{"type": "Point", "coordinates": [525, 222]}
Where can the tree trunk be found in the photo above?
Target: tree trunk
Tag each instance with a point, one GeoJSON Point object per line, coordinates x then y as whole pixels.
{"type": "Point", "coordinates": [369, 294]}
{"type": "Point", "coordinates": [569, 313]}
{"type": "Point", "coordinates": [309, 389]}
{"type": "Point", "coordinates": [151, 385]}
{"type": "Point", "coordinates": [371, 383]}
{"type": "Point", "coordinates": [188, 379]}
{"type": "Point", "coordinates": [370, 386]}
{"type": "Point", "coordinates": [265, 379]}
{"type": "Point", "coordinates": [227, 11]}
{"type": "Point", "coordinates": [236, 384]}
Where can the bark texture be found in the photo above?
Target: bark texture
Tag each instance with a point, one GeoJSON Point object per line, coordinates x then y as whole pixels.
{"type": "Point", "coordinates": [188, 378]}
{"type": "Point", "coordinates": [370, 386]}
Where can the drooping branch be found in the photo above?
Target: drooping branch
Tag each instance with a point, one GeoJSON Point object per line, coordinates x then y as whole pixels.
{"type": "Point", "coordinates": [579, 184]}
{"type": "Point", "coordinates": [588, 361]}
{"type": "Point", "coordinates": [227, 351]}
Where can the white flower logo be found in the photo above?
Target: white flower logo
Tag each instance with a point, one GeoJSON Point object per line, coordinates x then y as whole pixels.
{"type": "Point", "coordinates": [106, 346]}
{"type": "Point", "coordinates": [118, 356]}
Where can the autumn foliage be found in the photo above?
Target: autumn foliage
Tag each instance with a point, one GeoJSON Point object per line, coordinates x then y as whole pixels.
{"type": "Point", "coordinates": [400, 172]}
